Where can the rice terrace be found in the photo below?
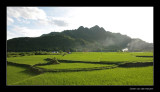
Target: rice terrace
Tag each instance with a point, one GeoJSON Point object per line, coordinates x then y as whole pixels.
{"type": "Point", "coordinates": [80, 46]}
{"type": "Point", "coordinates": [82, 68]}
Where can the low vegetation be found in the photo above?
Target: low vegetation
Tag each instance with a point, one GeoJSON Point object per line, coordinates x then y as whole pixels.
{"type": "Point", "coordinates": [81, 68]}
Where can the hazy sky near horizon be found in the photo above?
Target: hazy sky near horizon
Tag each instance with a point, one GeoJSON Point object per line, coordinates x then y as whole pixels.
{"type": "Point", "coordinates": [136, 22]}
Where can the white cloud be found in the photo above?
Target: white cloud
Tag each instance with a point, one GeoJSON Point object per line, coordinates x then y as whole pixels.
{"type": "Point", "coordinates": [60, 23]}
{"type": "Point", "coordinates": [18, 31]}
{"type": "Point", "coordinates": [26, 21]}
{"type": "Point", "coordinates": [50, 21]}
{"type": "Point", "coordinates": [26, 12]}
{"type": "Point", "coordinates": [43, 22]}
{"type": "Point", "coordinates": [136, 22]}
{"type": "Point", "coordinates": [11, 35]}
{"type": "Point", "coordinates": [9, 20]}
{"type": "Point", "coordinates": [23, 14]}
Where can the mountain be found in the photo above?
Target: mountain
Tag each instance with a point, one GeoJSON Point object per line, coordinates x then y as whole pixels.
{"type": "Point", "coordinates": [82, 39]}
{"type": "Point", "coordinates": [139, 45]}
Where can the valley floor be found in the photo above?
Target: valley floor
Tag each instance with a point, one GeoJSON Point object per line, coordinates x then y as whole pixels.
{"type": "Point", "coordinates": [82, 69]}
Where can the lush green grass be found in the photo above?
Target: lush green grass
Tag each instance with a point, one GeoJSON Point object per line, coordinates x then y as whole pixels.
{"type": "Point", "coordinates": [19, 54]}
{"type": "Point", "coordinates": [108, 57]}
{"type": "Point", "coordinates": [79, 61]}
{"type": "Point", "coordinates": [124, 57]}
{"type": "Point", "coordinates": [16, 74]}
{"type": "Point", "coordinates": [31, 60]}
{"type": "Point", "coordinates": [84, 56]}
{"type": "Point", "coordinates": [117, 76]}
{"type": "Point", "coordinates": [73, 66]}
{"type": "Point", "coordinates": [141, 53]}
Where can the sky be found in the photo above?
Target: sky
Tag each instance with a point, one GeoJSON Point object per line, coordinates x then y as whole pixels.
{"type": "Point", "coordinates": [135, 22]}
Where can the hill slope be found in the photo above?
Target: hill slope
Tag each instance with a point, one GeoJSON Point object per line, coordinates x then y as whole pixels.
{"type": "Point", "coordinates": [82, 39]}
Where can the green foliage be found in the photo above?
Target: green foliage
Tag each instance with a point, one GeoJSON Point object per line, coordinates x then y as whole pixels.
{"type": "Point", "coordinates": [69, 67]}
{"type": "Point", "coordinates": [60, 51]}
{"type": "Point", "coordinates": [31, 60]}
{"type": "Point", "coordinates": [118, 76]}
{"type": "Point", "coordinates": [103, 57]}
{"type": "Point", "coordinates": [44, 53]}
{"type": "Point", "coordinates": [54, 61]}
{"type": "Point", "coordinates": [18, 54]}
{"type": "Point", "coordinates": [90, 68]}
{"type": "Point", "coordinates": [64, 53]}
{"type": "Point", "coordinates": [119, 50]}
{"type": "Point", "coordinates": [16, 74]}
{"type": "Point", "coordinates": [22, 54]}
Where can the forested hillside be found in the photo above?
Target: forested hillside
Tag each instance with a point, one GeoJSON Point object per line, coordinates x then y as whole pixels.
{"type": "Point", "coordinates": [82, 39]}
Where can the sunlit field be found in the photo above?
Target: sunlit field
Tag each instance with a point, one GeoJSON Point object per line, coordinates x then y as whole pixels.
{"type": "Point", "coordinates": [82, 68]}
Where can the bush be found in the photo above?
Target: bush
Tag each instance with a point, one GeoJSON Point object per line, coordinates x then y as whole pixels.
{"type": "Point", "coordinates": [22, 54]}
{"type": "Point", "coordinates": [65, 53]}
{"type": "Point", "coordinates": [12, 54]}
{"type": "Point", "coordinates": [60, 51]}
{"type": "Point", "coordinates": [54, 61]}
{"type": "Point", "coordinates": [44, 53]}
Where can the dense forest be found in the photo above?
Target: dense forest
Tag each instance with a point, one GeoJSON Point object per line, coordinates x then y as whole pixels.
{"type": "Point", "coordinates": [82, 39]}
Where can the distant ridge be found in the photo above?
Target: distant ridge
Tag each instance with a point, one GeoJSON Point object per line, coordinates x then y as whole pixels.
{"type": "Point", "coordinates": [82, 39]}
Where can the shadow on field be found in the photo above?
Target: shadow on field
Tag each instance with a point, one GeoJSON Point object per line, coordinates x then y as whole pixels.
{"type": "Point", "coordinates": [119, 64]}
{"type": "Point", "coordinates": [28, 68]}
{"type": "Point", "coordinates": [137, 64]}
{"type": "Point", "coordinates": [30, 72]}
{"type": "Point", "coordinates": [89, 62]}
{"type": "Point", "coordinates": [33, 70]}
{"type": "Point", "coordinates": [145, 56]}
{"type": "Point", "coordinates": [81, 69]}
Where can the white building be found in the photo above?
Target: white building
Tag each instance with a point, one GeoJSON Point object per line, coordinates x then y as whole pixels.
{"type": "Point", "coordinates": [125, 49]}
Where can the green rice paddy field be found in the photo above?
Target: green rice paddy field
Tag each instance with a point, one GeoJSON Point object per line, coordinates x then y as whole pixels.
{"type": "Point", "coordinates": [82, 68]}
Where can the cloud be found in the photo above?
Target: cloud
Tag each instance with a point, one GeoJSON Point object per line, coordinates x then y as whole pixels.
{"type": "Point", "coordinates": [18, 31]}
{"type": "Point", "coordinates": [132, 21]}
{"type": "Point", "coordinates": [60, 23]}
{"type": "Point", "coordinates": [9, 20]}
{"type": "Point", "coordinates": [52, 21]}
{"type": "Point", "coordinates": [10, 35]}
{"type": "Point", "coordinates": [26, 12]}
{"type": "Point", "coordinates": [44, 22]}
{"type": "Point", "coordinates": [23, 21]}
